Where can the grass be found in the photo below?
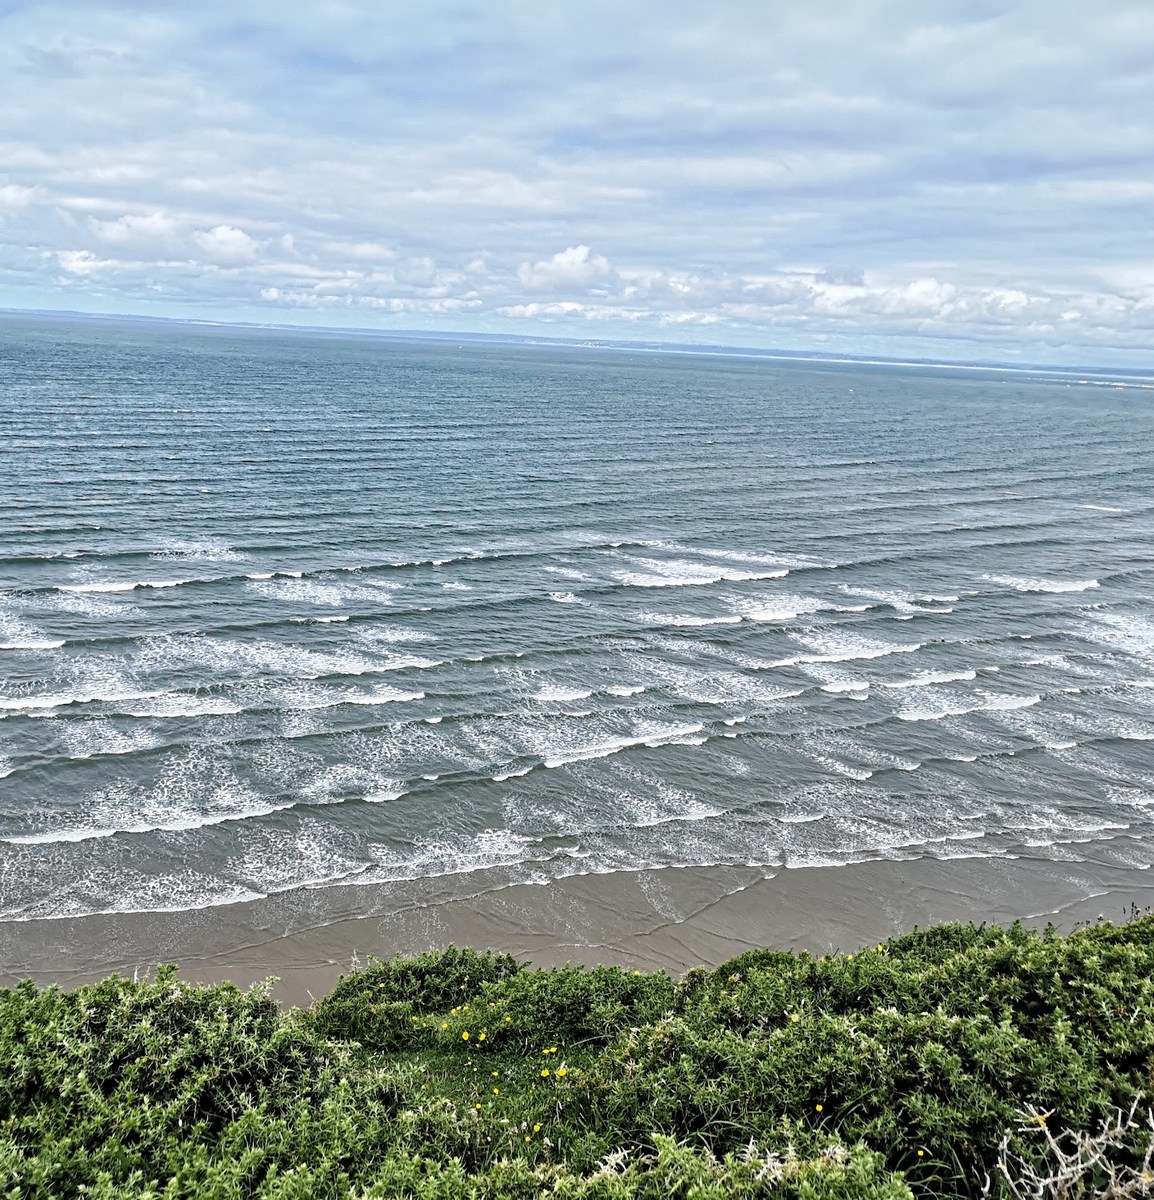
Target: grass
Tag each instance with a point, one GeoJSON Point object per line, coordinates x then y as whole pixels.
{"type": "Point", "coordinates": [927, 1066]}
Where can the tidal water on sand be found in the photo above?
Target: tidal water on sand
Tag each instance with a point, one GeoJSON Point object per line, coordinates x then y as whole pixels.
{"type": "Point", "coordinates": [296, 611]}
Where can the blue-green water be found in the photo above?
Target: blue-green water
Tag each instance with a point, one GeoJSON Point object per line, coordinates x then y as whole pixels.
{"type": "Point", "coordinates": [296, 611]}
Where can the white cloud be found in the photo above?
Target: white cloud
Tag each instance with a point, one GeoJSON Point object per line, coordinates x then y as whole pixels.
{"type": "Point", "coordinates": [576, 268]}
{"type": "Point", "coordinates": [131, 229]}
{"type": "Point", "coordinates": [14, 197]}
{"type": "Point", "coordinates": [417, 272]}
{"type": "Point", "coordinates": [226, 244]}
{"type": "Point", "coordinates": [373, 252]}
{"type": "Point", "coordinates": [82, 262]}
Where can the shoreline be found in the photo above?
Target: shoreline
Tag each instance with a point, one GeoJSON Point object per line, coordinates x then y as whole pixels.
{"type": "Point", "coordinates": [669, 919]}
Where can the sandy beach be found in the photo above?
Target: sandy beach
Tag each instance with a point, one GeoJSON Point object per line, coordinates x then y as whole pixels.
{"type": "Point", "coordinates": [669, 919]}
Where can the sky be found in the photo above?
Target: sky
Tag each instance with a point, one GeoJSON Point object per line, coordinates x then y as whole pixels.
{"type": "Point", "coordinates": [962, 179]}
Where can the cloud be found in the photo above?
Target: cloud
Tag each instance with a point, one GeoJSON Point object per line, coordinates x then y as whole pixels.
{"type": "Point", "coordinates": [13, 197]}
{"type": "Point", "coordinates": [574, 269]}
{"type": "Point", "coordinates": [131, 229]}
{"type": "Point", "coordinates": [226, 244]}
{"type": "Point", "coordinates": [972, 177]}
{"type": "Point", "coordinates": [417, 272]}
{"type": "Point", "coordinates": [83, 262]}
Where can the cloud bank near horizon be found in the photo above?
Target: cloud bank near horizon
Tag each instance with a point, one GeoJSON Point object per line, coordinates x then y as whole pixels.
{"type": "Point", "coordinates": [971, 178]}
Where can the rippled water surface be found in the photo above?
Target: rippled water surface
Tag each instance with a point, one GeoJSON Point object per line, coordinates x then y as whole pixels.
{"type": "Point", "coordinates": [283, 611]}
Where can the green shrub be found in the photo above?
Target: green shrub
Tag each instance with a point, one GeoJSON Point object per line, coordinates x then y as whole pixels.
{"type": "Point", "coordinates": [569, 1005]}
{"type": "Point", "coordinates": [375, 1006]}
{"type": "Point", "coordinates": [904, 1069]}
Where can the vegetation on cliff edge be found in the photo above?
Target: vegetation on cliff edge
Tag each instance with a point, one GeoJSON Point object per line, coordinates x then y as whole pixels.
{"type": "Point", "coordinates": [947, 1062]}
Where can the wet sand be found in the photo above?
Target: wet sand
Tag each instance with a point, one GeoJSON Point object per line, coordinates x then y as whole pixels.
{"type": "Point", "coordinates": [670, 919]}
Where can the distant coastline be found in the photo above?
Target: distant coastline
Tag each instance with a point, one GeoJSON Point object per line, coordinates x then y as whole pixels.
{"type": "Point", "coordinates": [1051, 372]}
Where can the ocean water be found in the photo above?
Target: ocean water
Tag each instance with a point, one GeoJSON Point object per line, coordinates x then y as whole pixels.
{"type": "Point", "coordinates": [284, 612]}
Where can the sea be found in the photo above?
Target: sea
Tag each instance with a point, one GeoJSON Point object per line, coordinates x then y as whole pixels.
{"type": "Point", "coordinates": [287, 611]}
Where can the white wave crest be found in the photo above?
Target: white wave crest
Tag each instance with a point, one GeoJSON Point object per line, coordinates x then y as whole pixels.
{"type": "Point", "coordinates": [687, 619]}
{"type": "Point", "coordinates": [659, 737]}
{"type": "Point", "coordinates": [987, 703]}
{"type": "Point", "coordinates": [657, 572]}
{"type": "Point", "coordinates": [124, 585]}
{"type": "Point", "coordinates": [51, 700]}
{"type": "Point", "coordinates": [560, 692]}
{"type": "Point", "coordinates": [1024, 584]}
{"type": "Point", "coordinates": [929, 678]}
{"type": "Point", "coordinates": [834, 646]}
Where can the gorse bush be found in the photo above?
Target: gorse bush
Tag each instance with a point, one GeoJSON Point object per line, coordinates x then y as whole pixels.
{"type": "Point", "coordinates": [901, 1070]}
{"type": "Point", "coordinates": [375, 1007]}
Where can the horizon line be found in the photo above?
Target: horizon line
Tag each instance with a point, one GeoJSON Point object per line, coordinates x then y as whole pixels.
{"type": "Point", "coordinates": [648, 345]}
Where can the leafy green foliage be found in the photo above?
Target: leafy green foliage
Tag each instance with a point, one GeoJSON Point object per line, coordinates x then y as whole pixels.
{"type": "Point", "coordinates": [890, 1073]}
{"type": "Point", "coordinates": [376, 1006]}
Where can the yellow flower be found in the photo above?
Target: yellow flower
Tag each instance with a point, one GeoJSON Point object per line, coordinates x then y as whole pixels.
{"type": "Point", "coordinates": [528, 1138]}
{"type": "Point", "coordinates": [818, 1108]}
{"type": "Point", "coordinates": [444, 1024]}
{"type": "Point", "coordinates": [477, 1106]}
{"type": "Point", "coordinates": [921, 1154]}
{"type": "Point", "coordinates": [849, 958]}
{"type": "Point", "coordinates": [507, 1020]}
{"type": "Point", "coordinates": [562, 1070]}
{"type": "Point", "coordinates": [496, 1091]}
{"type": "Point", "coordinates": [480, 1037]}
{"type": "Point", "coordinates": [794, 1017]}
{"type": "Point", "coordinates": [536, 1128]}
{"type": "Point", "coordinates": [465, 1036]}
{"type": "Point", "coordinates": [544, 1072]}
{"type": "Point", "coordinates": [496, 1074]}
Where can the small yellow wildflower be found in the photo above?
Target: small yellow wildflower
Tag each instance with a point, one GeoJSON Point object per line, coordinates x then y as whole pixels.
{"type": "Point", "coordinates": [794, 1017]}
{"type": "Point", "coordinates": [528, 1138]}
{"type": "Point", "coordinates": [496, 1074]}
{"type": "Point", "coordinates": [496, 1091]}
{"type": "Point", "coordinates": [562, 1071]}
{"type": "Point", "coordinates": [477, 1107]}
{"type": "Point", "coordinates": [818, 1108]}
{"type": "Point", "coordinates": [480, 1037]}
{"type": "Point", "coordinates": [536, 1128]}
{"type": "Point", "coordinates": [465, 1036]}
{"type": "Point", "coordinates": [507, 1020]}
{"type": "Point", "coordinates": [544, 1072]}
{"type": "Point", "coordinates": [921, 1154]}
